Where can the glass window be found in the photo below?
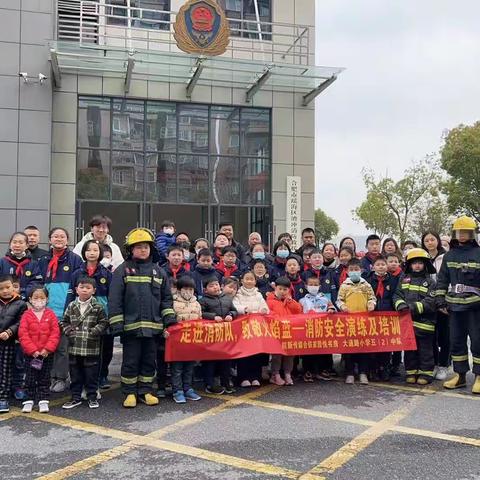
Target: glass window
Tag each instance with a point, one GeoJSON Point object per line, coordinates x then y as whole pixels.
{"type": "Point", "coordinates": [224, 131]}
{"type": "Point", "coordinates": [127, 124]}
{"type": "Point", "coordinates": [255, 181]}
{"type": "Point", "coordinates": [161, 177]}
{"type": "Point", "coordinates": [93, 174]}
{"type": "Point", "coordinates": [192, 179]}
{"type": "Point", "coordinates": [152, 14]}
{"type": "Point", "coordinates": [161, 127]}
{"type": "Point", "coordinates": [246, 11]}
{"type": "Point", "coordinates": [127, 175]}
{"type": "Point", "coordinates": [225, 180]}
{"type": "Point", "coordinates": [255, 132]}
{"type": "Point", "coordinates": [94, 122]}
{"type": "Point", "coordinates": [193, 129]}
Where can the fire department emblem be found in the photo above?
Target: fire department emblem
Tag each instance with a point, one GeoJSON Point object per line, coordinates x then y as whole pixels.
{"type": "Point", "coordinates": [202, 27]}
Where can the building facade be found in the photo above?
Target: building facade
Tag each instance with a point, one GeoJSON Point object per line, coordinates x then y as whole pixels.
{"type": "Point", "coordinates": [128, 125]}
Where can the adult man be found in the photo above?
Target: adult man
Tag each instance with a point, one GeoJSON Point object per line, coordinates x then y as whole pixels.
{"type": "Point", "coordinates": [99, 228]}
{"type": "Point", "coordinates": [227, 229]}
{"type": "Point", "coordinates": [33, 234]}
{"type": "Point", "coordinates": [308, 239]}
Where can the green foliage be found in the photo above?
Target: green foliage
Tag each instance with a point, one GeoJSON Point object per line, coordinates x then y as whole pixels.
{"type": "Point", "coordinates": [325, 227]}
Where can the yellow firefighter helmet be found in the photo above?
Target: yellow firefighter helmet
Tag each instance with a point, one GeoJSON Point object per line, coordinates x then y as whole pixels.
{"type": "Point", "coordinates": [415, 253]}
{"type": "Point", "coordinates": [139, 235]}
{"type": "Point", "coordinates": [464, 223]}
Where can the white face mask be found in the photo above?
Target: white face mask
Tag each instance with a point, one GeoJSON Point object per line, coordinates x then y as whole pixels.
{"type": "Point", "coordinates": [186, 255]}
{"type": "Point", "coordinates": [168, 231]}
{"type": "Point", "coordinates": [313, 290]}
{"type": "Point", "coordinates": [106, 262]}
{"type": "Point", "coordinates": [186, 295]}
{"type": "Point", "coordinates": [38, 305]}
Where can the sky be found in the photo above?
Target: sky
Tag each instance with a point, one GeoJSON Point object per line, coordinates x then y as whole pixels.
{"type": "Point", "coordinates": [412, 73]}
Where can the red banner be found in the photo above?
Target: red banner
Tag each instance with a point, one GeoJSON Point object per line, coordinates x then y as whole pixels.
{"type": "Point", "coordinates": [306, 334]}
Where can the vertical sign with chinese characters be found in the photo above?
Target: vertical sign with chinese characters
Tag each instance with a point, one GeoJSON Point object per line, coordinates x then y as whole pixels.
{"type": "Point", "coordinates": [294, 209]}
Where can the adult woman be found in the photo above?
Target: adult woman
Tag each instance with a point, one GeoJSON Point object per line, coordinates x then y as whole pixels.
{"type": "Point", "coordinates": [329, 252]}
{"type": "Point", "coordinates": [350, 243]}
{"type": "Point", "coordinates": [390, 246]}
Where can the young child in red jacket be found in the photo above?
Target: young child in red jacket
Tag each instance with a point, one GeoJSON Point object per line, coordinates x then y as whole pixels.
{"type": "Point", "coordinates": [280, 302]}
{"type": "Point", "coordinates": [39, 336]}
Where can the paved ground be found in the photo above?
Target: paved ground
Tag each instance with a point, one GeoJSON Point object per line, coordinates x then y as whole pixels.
{"type": "Point", "coordinates": [305, 432]}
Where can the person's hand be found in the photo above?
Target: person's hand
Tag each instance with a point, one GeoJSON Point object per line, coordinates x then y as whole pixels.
{"type": "Point", "coordinates": [218, 319]}
{"type": "Point", "coordinates": [331, 310]}
{"type": "Point", "coordinates": [35, 354]}
{"type": "Point", "coordinates": [371, 307]}
{"type": "Point", "coordinates": [44, 353]}
{"type": "Point", "coordinates": [228, 318]}
{"type": "Point", "coordinates": [166, 334]}
{"type": "Point", "coordinates": [443, 310]}
{"type": "Point", "coordinates": [4, 336]}
{"type": "Point", "coordinates": [344, 309]}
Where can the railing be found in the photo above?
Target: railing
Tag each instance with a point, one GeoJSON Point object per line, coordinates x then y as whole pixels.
{"type": "Point", "coordinates": [92, 22]}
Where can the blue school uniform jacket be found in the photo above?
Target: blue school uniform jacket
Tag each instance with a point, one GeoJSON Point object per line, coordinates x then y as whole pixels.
{"type": "Point", "coordinates": [328, 285]}
{"type": "Point", "coordinates": [200, 275]}
{"type": "Point", "coordinates": [31, 274]}
{"type": "Point", "coordinates": [390, 283]}
{"type": "Point", "coordinates": [58, 287]}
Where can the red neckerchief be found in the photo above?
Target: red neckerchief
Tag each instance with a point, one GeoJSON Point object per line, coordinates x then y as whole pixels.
{"type": "Point", "coordinates": [306, 267]}
{"type": "Point", "coordinates": [91, 270]}
{"type": "Point", "coordinates": [186, 266]}
{"type": "Point", "coordinates": [316, 271]}
{"type": "Point", "coordinates": [53, 264]}
{"type": "Point", "coordinates": [175, 270]}
{"type": "Point", "coordinates": [397, 272]}
{"type": "Point", "coordinates": [343, 274]}
{"type": "Point", "coordinates": [19, 264]}
{"type": "Point", "coordinates": [227, 271]}
{"type": "Point", "coordinates": [293, 282]}
{"type": "Point", "coordinates": [380, 287]}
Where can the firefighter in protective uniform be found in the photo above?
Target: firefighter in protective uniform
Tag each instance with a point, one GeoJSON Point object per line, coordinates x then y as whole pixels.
{"type": "Point", "coordinates": [416, 291]}
{"type": "Point", "coordinates": [458, 291]}
{"type": "Point", "coordinates": [140, 306]}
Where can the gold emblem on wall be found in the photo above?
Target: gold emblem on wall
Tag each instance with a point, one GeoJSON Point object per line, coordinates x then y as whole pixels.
{"type": "Point", "coordinates": [201, 27]}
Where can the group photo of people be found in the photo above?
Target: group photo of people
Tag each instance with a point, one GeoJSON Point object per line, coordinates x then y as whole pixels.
{"type": "Point", "coordinates": [62, 309]}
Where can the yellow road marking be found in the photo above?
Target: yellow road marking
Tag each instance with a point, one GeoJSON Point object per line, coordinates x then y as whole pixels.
{"type": "Point", "coordinates": [475, 442]}
{"type": "Point", "coordinates": [9, 415]}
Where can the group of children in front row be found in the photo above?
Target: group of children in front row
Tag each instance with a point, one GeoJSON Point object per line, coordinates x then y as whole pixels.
{"type": "Point", "coordinates": [141, 313]}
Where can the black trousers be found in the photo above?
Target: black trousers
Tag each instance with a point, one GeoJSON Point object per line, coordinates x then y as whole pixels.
{"type": "Point", "coordinates": [352, 358]}
{"type": "Point", "coordinates": [222, 367]}
{"type": "Point", "coordinates": [7, 359]}
{"type": "Point", "coordinates": [106, 354]}
{"type": "Point", "coordinates": [441, 341]}
{"type": "Point", "coordinates": [161, 364]}
{"type": "Point", "coordinates": [84, 374]}
{"type": "Point", "coordinates": [250, 368]}
{"type": "Point", "coordinates": [316, 363]}
{"type": "Point", "coordinates": [420, 361]}
{"type": "Point", "coordinates": [463, 325]}
{"type": "Point", "coordinates": [138, 365]}
{"type": "Point", "coordinates": [37, 382]}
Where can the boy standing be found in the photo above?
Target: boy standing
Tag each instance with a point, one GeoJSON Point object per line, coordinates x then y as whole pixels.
{"type": "Point", "coordinates": [356, 295]}
{"type": "Point", "coordinates": [11, 309]}
{"type": "Point", "coordinates": [204, 270]}
{"type": "Point", "coordinates": [83, 323]}
{"type": "Point", "coordinates": [229, 266]}
{"type": "Point", "coordinates": [166, 238]}
{"type": "Point", "coordinates": [374, 248]}
{"type": "Point", "coordinates": [140, 305]}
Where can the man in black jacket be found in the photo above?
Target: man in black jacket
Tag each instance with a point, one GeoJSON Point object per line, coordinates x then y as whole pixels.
{"type": "Point", "coordinates": [33, 235]}
{"type": "Point", "coordinates": [227, 229]}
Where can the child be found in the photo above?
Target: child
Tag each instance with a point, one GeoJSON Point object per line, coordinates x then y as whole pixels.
{"type": "Point", "coordinates": [176, 265]}
{"type": "Point", "coordinates": [281, 251]}
{"type": "Point", "coordinates": [393, 265]}
{"type": "Point", "coordinates": [292, 270]}
{"type": "Point", "coordinates": [165, 239]}
{"type": "Point", "coordinates": [11, 309]}
{"type": "Point", "coordinates": [306, 252]}
{"type": "Point", "coordinates": [249, 300]}
{"type": "Point", "coordinates": [204, 270]}
{"type": "Point", "coordinates": [229, 265]}
{"type": "Point", "coordinates": [186, 308]}
{"type": "Point", "coordinates": [39, 336]}
{"type": "Point", "coordinates": [83, 323]}
{"type": "Point", "coordinates": [373, 251]}
{"type": "Point", "coordinates": [280, 302]}
{"type": "Point", "coordinates": [262, 276]}
{"type": "Point", "coordinates": [326, 276]}
{"type": "Point", "coordinates": [57, 269]}
{"type": "Point", "coordinates": [218, 307]}
{"type": "Point", "coordinates": [416, 292]}
{"type": "Point", "coordinates": [356, 295]}
{"type": "Point", "coordinates": [230, 286]}
{"type": "Point", "coordinates": [316, 302]}
{"type": "Point", "coordinates": [345, 254]}
{"type": "Point", "coordinates": [384, 286]}
{"type": "Point", "coordinates": [140, 306]}
{"type": "Point", "coordinates": [107, 257]}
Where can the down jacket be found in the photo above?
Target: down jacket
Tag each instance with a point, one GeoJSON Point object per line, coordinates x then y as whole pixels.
{"type": "Point", "coordinates": [250, 299]}
{"type": "Point", "coordinates": [37, 334]}
{"type": "Point", "coordinates": [186, 309]}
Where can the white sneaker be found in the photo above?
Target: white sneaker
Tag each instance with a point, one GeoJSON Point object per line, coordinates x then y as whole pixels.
{"type": "Point", "coordinates": [363, 379]}
{"type": "Point", "coordinates": [442, 373]}
{"type": "Point", "coordinates": [350, 380]}
{"type": "Point", "coordinates": [255, 383]}
{"type": "Point", "coordinates": [27, 406]}
{"type": "Point", "coordinates": [43, 406]}
{"type": "Point", "coordinates": [246, 384]}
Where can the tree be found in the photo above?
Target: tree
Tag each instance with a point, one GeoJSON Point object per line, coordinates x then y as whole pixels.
{"type": "Point", "coordinates": [460, 158]}
{"type": "Point", "coordinates": [325, 227]}
{"type": "Point", "coordinates": [394, 207]}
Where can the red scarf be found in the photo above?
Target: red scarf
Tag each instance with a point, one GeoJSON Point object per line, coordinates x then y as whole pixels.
{"type": "Point", "coordinates": [175, 270]}
{"type": "Point", "coordinates": [19, 264]}
{"type": "Point", "coordinates": [343, 274]}
{"type": "Point", "coordinates": [293, 282]}
{"type": "Point", "coordinates": [91, 270]}
{"type": "Point", "coordinates": [397, 272]}
{"type": "Point", "coordinates": [227, 271]}
{"type": "Point", "coordinates": [380, 287]}
{"type": "Point", "coordinates": [53, 264]}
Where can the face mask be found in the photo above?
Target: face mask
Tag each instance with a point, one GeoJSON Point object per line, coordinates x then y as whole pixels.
{"type": "Point", "coordinates": [283, 253]}
{"type": "Point", "coordinates": [186, 255]}
{"type": "Point", "coordinates": [38, 305]}
{"type": "Point", "coordinates": [355, 276]}
{"type": "Point", "coordinates": [186, 295]}
{"type": "Point", "coordinates": [168, 231]}
{"type": "Point", "coordinates": [106, 262]}
{"type": "Point", "coordinates": [258, 255]}
{"type": "Point", "coordinates": [313, 290]}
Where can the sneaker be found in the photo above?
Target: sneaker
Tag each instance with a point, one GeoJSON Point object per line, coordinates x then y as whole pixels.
{"type": "Point", "coordinates": [179, 397]}
{"type": "Point", "coordinates": [27, 406]}
{"type": "Point", "coordinates": [43, 406]}
{"type": "Point", "coordinates": [350, 380]}
{"type": "Point", "coordinates": [161, 393]}
{"type": "Point", "coordinates": [246, 384]}
{"type": "Point", "coordinates": [276, 379]}
{"type": "Point", "coordinates": [4, 406]}
{"type": "Point", "coordinates": [104, 383]}
{"type": "Point", "coordinates": [71, 404]}
{"type": "Point", "coordinates": [442, 373]}
{"type": "Point", "coordinates": [93, 404]}
{"type": "Point", "coordinates": [59, 386]}
{"type": "Point", "coordinates": [229, 390]}
{"type": "Point", "coordinates": [191, 394]}
{"type": "Point", "coordinates": [363, 379]}
{"type": "Point", "coordinates": [289, 380]}
{"type": "Point", "coordinates": [308, 377]}
{"type": "Point", "coordinates": [255, 383]}
{"type": "Point", "coordinates": [20, 394]}
{"type": "Point", "coordinates": [324, 376]}
{"type": "Point", "coordinates": [216, 389]}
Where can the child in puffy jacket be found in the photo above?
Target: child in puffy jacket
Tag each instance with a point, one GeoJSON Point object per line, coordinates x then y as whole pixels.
{"type": "Point", "coordinates": [39, 335]}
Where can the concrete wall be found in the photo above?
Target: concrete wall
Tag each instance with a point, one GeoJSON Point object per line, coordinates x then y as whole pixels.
{"type": "Point", "coordinates": [25, 115]}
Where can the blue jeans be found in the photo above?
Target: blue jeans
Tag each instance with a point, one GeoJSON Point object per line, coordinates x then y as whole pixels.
{"type": "Point", "coordinates": [182, 376]}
